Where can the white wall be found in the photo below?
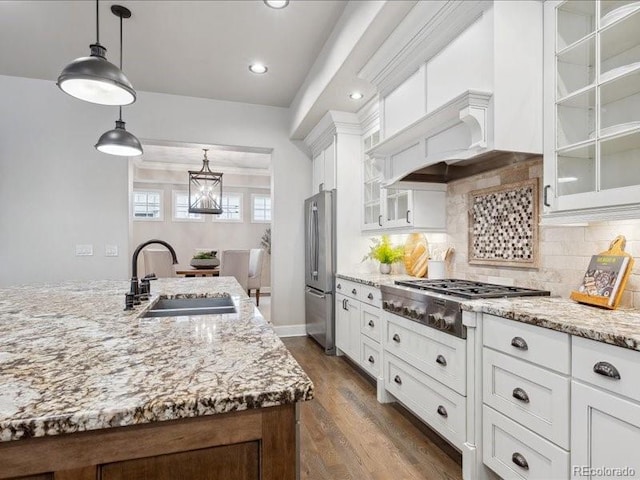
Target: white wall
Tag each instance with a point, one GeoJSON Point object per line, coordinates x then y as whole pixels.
{"type": "Point", "coordinates": [46, 151]}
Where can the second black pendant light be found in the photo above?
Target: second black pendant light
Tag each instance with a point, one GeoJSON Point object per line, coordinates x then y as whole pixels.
{"type": "Point", "coordinates": [118, 141]}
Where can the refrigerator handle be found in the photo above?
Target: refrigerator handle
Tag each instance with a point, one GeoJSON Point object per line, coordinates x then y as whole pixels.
{"type": "Point", "coordinates": [316, 244]}
{"type": "Point", "coordinates": [313, 294]}
{"type": "Point", "coordinates": [310, 246]}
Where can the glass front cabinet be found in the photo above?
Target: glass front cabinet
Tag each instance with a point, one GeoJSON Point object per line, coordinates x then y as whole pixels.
{"type": "Point", "coordinates": [372, 178]}
{"type": "Point", "coordinates": [592, 110]}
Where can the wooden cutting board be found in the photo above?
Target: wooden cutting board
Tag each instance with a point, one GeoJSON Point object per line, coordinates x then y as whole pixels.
{"type": "Point", "coordinates": [416, 254]}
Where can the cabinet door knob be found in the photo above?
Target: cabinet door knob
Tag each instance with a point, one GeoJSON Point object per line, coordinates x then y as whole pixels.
{"type": "Point", "coordinates": [442, 411]}
{"type": "Point", "coordinates": [441, 360]}
{"type": "Point", "coordinates": [371, 360]}
{"type": "Point", "coordinates": [397, 379]}
{"type": "Point", "coordinates": [520, 394]}
{"type": "Point", "coordinates": [546, 196]}
{"type": "Point", "coordinates": [396, 338]}
{"type": "Point", "coordinates": [371, 324]}
{"type": "Point", "coordinates": [339, 287]}
{"type": "Point", "coordinates": [519, 342]}
{"type": "Point", "coordinates": [607, 370]}
{"type": "Point", "coordinates": [519, 460]}
{"type": "Point", "coordinates": [370, 296]}
{"type": "Point", "coordinates": [354, 291]}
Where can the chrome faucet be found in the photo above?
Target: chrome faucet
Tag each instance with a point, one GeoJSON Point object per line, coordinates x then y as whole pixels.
{"type": "Point", "coordinates": [141, 291]}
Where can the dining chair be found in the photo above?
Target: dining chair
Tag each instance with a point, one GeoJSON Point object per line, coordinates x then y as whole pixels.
{"type": "Point", "coordinates": [235, 263]}
{"type": "Point", "coordinates": [256, 256]}
{"type": "Point", "coordinates": [158, 261]}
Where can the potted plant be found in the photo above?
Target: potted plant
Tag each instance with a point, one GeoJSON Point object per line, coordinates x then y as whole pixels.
{"type": "Point", "coordinates": [206, 259]}
{"type": "Point", "coordinates": [385, 253]}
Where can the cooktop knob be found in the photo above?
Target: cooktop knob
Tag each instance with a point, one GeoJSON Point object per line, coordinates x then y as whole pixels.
{"type": "Point", "coordinates": [447, 323]}
{"type": "Point", "coordinates": [421, 313]}
{"type": "Point", "coordinates": [406, 311]}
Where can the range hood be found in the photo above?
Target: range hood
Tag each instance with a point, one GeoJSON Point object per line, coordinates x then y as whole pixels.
{"type": "Point", "coordinates": [454, 141]}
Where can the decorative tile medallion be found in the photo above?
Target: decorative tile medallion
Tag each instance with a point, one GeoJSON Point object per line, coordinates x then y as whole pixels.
{"type": "Point", "coordinates": [503, 225]}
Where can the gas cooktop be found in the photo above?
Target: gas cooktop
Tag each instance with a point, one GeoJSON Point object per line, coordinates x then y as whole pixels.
{"type": "Point", "coordinates": [469, 289]}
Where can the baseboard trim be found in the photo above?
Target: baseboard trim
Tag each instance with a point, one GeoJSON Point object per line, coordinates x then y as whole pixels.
{"type": "Point", "coordinates": [291, 330]}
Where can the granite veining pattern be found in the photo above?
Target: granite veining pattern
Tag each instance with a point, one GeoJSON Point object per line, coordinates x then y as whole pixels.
{"type": "Point", "coordinates": [72, 360]}
{"type": "Point", "coordinates": [374, 279]}
{"type": "Point", "coordinates": [616, 327]}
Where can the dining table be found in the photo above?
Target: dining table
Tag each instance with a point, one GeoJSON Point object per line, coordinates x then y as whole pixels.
{"type": "Point", "coordinates": [197, 272]}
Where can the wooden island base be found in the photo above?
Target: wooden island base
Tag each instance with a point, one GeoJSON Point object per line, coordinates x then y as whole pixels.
{"type": "Point", "coordinates": [249, 445]}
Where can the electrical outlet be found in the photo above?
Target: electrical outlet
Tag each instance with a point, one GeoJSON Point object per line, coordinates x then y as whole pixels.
{"type": "Point", "coordinates": [110, 250]}
{"type": "Point", "coordinates": [84, 250]}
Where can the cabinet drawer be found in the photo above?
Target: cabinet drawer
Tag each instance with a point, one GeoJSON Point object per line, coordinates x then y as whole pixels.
{"type": "Point", "coordinates": [533, 396]}
{"type": "Point", "coordinates": [370, 355]}
{"type": "Point", "coordinates": [618, 362]}
{"type": "Point", "coordinates": [513, 451]}
{"type": "Point", "coordinates": [370, 295]}
{"type": "Point", "coordinates": [351, 289]}
{"type": "Point", "coordinates": [535, 344]}
{"type": "Point", "coordinates": [370, 321]}
{"type": "Point", "coordinates": [438, 406]}
{"type": "Point", "coordinates": [437, 354]}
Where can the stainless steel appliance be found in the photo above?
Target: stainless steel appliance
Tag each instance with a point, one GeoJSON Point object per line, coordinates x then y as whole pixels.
{"type": "Point", "coordinates": [436, 303]}
{"type": "Point", "coordinates": [320, 261]}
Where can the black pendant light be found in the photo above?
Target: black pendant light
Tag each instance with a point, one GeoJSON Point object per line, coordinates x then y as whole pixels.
{"type": "Point", "coordinates": [118, 141]}
{"type": "Point", "coordinates": [205, 189]}
{"type": "Point", "coordinates": [96, 80]}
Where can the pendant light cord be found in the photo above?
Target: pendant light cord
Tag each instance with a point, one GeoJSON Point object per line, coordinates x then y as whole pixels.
{"type": "Point", "coordinates": [97, 23]}
{"type": "Point", "coordinates": [120, 110]}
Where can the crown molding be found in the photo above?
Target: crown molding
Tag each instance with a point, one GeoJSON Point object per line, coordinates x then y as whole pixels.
{"type": "Point", "coordinates": [334, 122]}
{"type": "Point", "coordinates": [426, 30]}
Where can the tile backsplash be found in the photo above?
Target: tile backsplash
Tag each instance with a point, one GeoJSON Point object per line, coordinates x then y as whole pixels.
{"type": "Point", "coordinates": [564, 251]}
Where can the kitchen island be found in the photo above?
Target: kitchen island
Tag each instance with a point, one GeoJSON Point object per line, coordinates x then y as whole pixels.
{"type": "Point", "coordinates": [88, 390]}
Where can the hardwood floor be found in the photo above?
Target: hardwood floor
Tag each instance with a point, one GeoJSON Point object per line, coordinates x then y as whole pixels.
{"type": "Point", "coordinates": [346, 434]}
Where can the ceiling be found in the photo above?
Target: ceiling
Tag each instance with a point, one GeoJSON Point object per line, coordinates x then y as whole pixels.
{"type": "Point", "coordinates": [192, 48]}
{"type": "Point", "coordinates": [185, 156]}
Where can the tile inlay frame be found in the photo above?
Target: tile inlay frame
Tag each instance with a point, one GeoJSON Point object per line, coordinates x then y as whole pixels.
{"type": "Point", "coordinates": [529, 190]}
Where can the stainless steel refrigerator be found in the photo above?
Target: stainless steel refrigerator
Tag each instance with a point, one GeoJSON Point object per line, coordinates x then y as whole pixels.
{"type": "Point", "coordinates": [320, 261]}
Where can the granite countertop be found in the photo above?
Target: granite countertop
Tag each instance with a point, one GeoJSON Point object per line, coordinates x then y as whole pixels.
{"type": "Point", "coordinates": [616, 327]}
{"type": "Point", "coordinates": [374, 279]}
{"type": "Point", "coordinates": [72, 360]}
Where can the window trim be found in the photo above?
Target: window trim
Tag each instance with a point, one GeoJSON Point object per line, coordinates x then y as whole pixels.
{"type": "Point", "coordinates": [160, 218]}
{"type": "Point", "coordinates": [218, 219]}
{"type": "Point", "coordinates": [253, 196]}
{"type": "Point", "coordinates": [200, 217]}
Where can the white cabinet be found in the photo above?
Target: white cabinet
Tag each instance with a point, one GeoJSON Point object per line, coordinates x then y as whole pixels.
{"type": "Point", "coordinates": [371, 186]}
{"type": "Point", "coordinates": [348, 326]}
{"type": "Point", "coordinates": [358, 324]}
{"type": "Point", "coordinates": [591, 110]}
{"type": "Point", "coordinates": [423, 207]}
{"type": "Point", "coordinates": [324, 169]}
{"type": "Point", "coordinates": [605, 408]}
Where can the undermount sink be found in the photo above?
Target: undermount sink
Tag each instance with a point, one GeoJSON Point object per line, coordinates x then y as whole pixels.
{"type": "Point", "coordinates": [178, 307]}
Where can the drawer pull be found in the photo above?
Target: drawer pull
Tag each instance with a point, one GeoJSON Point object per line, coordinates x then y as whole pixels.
{"type": "Point", "coordinates": [396, 338]}
{"type": "Point", "coordinates": [519, 342]}
{"type": "Point", "coordinates": [520, 394]}
{"type": "Point", "coordinates": [397, 379]}
{"type": "Point", "coordinates": [519, 460]}
{"type": "Point", "coordinates": [371, 324]}
{"type": "Point", "coordinates": [339, 286]}
{"type": "Point", "coordinates": [354, 291]}
{"type": "Point", "coordinates": [370, 296]}
{"type": "Point", "coordinates": [442, 411]}
{"type": "Point", "coordinates": [606, 369]}
{"type": "Point", "coordinates": [371, 360]}
{"type": "Point", "coordinates": [441, 360]}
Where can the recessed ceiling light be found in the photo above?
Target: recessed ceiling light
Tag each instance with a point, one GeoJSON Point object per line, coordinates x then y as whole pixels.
{"type": "Point", "coordinates": [258, 68]}
{"type": "Point", "coordinates": [355, 96]}
{"type": "Point", "coordinates": [276, 3]}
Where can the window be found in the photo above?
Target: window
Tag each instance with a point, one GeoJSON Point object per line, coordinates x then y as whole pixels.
{"type": "Point", "coordinates": [260, 208]}
{"type": "Point", "coordinates": [147, 205]}
{"type": "Point", "coordinates": [231, 208]}
{"type": "Point", "coordinates": [181, 207]}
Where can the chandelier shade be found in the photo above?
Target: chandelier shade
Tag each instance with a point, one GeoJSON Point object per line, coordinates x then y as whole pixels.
{"type": "Point", "coordinates": [205, 190]}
